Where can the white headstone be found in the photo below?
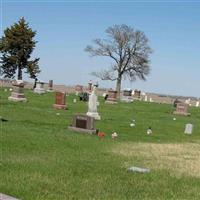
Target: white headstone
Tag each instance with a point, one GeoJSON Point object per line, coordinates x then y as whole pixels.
{"type": "Point", "coordinates": [104, 94]}
{"type": "Point", "coordinates": [197, 104]}
{"type": "Point", "coordinates": [145, 98]}
{"type": "Point", "coordinates": [188, 128]}
{"type": "Point", "coordinates": [92, 105]}
{"type": "Point", "coordinates": [39, 88]}
{"type": "Point", "coordinates": [187, 101]}
{"type": "Point", "coordinates": [150, 99]}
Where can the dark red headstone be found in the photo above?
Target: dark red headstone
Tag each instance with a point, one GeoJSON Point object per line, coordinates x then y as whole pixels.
{"type": "Point", "coordinates": [60, 100]}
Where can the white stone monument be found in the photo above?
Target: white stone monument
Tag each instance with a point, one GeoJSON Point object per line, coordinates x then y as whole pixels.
{"type": "Point", "coordinates": [188, 129]}
{"type": "Point", "coordinates": [92, 105]}
{"type": "Point", "coordinates": [197, 104]}
{"type": "Point", "coordinates": [146, 98]}
{"type": "Point", "coordinates": [39, 88]}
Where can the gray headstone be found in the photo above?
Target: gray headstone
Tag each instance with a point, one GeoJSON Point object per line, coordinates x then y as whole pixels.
{"type": "Point", "coordinates": [188, 128]}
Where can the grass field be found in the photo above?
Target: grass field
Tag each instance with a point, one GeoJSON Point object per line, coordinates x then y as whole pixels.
{"type": "Point", "coordinates": [42, 160]}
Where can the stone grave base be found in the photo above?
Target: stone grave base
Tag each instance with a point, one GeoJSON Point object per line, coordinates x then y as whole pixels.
{"type": "Point", "coordinates": [17, 97]}
{"type": "Point", "coordinates": [126, 99]}
{"type": "Point", "coordinates": [81, 130]}
{"type": "Point", "coordinates": [94, 115]}
{"type": "Point", "coordinates": [137, 99]}
{"type": "Point", "coordinates": [39, 91]}
{"type": "Point", "coordinates": [111, 101]}
{"type": "Point", "coordinates": [50, 90]}
{"type": "Point", "coordinates": [181, 113]}
{"type": "Point", "coordinates": [58, 106]}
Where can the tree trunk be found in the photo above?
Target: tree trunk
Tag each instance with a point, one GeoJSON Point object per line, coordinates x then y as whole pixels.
{"type": "Point", "coordinates": [19, 76]}
{"type": "Point", "coordinates": [35, 81]}
{"type": "Point", "coordinates": [118, 86]}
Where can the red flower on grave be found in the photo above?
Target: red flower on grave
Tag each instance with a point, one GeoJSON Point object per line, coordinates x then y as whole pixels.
{"type": "Point", "coordinates": [101, 134]}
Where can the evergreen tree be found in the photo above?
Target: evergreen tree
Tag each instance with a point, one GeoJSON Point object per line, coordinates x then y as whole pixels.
{"type": "Point", "coordinates": [16, 47]}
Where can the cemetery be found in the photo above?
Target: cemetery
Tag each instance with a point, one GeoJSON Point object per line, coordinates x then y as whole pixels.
{"type": "Point", "coordinates": [74, 127]}
{"type": "Point", "coordinates": [46, 156]}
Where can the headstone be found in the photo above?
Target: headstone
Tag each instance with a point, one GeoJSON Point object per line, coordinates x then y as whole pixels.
{"type": "Point", "coordinates": [39, 88]}
{"type": "Point", "coordinates": [92, 105]}
{"type": "Point", "coordinates": [137, 94]}
{"type": "Point", "coordinates": [151, 100]}
{"type": "Point", "coordinates": [187, 101]}
{"type": "Point", "coordinates": [146, 98]}
{"type": "Point", "coordinates": [17, 93]}
{"type": "Point", "coordinates": [127, 93]}
{"type": "Point", "coordinates": [127, 96]}
{"type": "Point", "coordinates": [60, 100]}
{"type": "Point", "coordinates": [188, 128]}
{"type": "Point", "coordinates": [112, 97]}
{"type": "Point", "coordinates": [78, 89]}
{"type": "Point", "coordinates": [182, 109]}
{"type": "Point", "coordinates": [176, 101]}
{"type": "Point", "coordinates": [50, 86]}
{"type": "Point", "coordinates": [83, 123]}
{"type": "Point", "coordinates": [197, 104]}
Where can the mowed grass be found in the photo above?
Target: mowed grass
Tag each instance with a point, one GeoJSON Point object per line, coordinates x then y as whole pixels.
{"type": "Point", "coordinates": [42, 160]}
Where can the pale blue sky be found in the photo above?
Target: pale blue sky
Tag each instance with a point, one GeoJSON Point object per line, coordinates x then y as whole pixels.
{"type": "Point", "coordinates": [65, 28]}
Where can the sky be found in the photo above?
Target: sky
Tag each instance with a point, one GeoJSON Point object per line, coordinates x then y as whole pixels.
{"type": "Point", "coordinates": [65, 28]}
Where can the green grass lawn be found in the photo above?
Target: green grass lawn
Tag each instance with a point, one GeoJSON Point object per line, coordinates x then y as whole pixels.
{"type": "Point", "coordinates": [42, 160]}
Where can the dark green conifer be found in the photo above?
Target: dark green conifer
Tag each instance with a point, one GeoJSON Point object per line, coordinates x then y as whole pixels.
{"type": "Point", "coordinates": [16, 47]}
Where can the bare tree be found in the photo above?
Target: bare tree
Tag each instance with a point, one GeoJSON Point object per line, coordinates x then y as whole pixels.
{"type": "Point", "coordinates": [129, 50]}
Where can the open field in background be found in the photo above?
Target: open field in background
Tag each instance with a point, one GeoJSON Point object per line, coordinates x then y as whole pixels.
{"type": "Point", "coordinates": [159, 98]}
{"type": "Point", "coordinates": [42, 160]}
